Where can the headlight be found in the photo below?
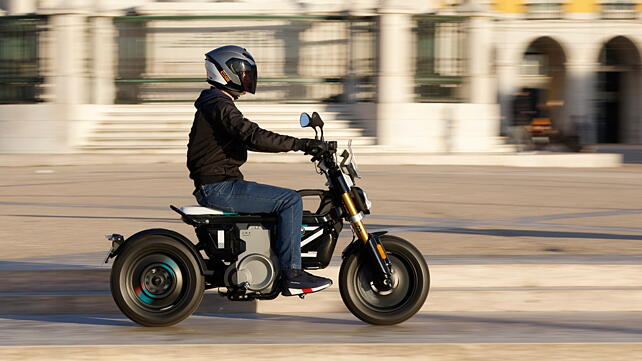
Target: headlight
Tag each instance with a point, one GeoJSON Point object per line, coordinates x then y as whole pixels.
{"type": "Point", "coordinates": [366, 200]}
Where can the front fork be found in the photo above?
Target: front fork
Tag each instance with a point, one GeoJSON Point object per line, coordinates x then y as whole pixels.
{"type": "Point", "coordinates": [371, 241]}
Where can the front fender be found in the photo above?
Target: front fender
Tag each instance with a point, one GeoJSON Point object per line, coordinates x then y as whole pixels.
{"type": "Point", "coordinates": [142, 235]}
{"type": "Point", "coordinates": [355, 246]}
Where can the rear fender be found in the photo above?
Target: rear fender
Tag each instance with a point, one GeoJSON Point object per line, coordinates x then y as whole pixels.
{"type": "Point", "coordinates": [142, 235]}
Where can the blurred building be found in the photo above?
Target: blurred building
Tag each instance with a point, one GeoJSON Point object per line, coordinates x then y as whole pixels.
{"type": "Point", "coordinates": [427, 76]}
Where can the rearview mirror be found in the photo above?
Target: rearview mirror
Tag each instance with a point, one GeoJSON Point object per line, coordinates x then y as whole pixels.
{"type": "Point", "coordinates": [316, 120]}
{"type": "Point", "coordinates": [304, 120]}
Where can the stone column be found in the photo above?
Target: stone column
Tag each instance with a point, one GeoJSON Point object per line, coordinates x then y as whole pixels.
{"type": "Point", "coordinates": [21, 7]}
{"type": "Point", "coordinates": [579, 108]}
{"type": "Point", "coordinates": [480, 85]}
{"type": "Point", "coordinates": [69, 70]}
{"type": "Point", "coordinates": [69, 57]}
{"type": "Point", "coordinates": [395, 80]}
{"type": "Point", "coordinates": [480, 46]}
{"type": "Point", "coordinates": [103, 60]}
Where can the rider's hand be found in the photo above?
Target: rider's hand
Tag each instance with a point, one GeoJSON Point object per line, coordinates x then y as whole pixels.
{"type": "Point", "coordinates": [313, 147]}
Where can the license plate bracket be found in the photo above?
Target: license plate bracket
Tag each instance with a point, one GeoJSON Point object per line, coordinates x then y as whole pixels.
{"type": "Point", "coordinates": [116, 241]}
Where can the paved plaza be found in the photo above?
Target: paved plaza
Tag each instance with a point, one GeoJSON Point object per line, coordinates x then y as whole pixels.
{"type": "Point", "coordinates": [444, 210]}
{"type": "Point", "coordinates": [526, 263]}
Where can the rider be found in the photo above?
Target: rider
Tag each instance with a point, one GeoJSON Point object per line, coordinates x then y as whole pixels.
{"type": "Point", "coordinates": [218, 145]}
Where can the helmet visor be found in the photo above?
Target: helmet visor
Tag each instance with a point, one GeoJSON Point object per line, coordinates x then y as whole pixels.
{"type": "Point", "coordinates": [246, 72]}
{"type": "Point", "coordinates": [248, 79]}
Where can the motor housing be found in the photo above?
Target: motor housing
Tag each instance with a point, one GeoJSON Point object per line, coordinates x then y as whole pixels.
{"type": "Point", "coordinates": [256, 268]}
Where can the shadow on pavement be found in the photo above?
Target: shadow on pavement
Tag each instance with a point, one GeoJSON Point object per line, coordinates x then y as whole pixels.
{"type": "Point", "coordinates": [502, 232]}
{"type": "Point", "coordinates": [71, 261]}
{"type": "Point", "coordinates": [286, 318]}
{"type": "Point", "coordinates": [118, 320]}
{"type": "Point", "coordinates": [532, 233]}
{"type": "Point", "coordinates": [74, 319]}
{"type": "Point", "coordinates": [29, 266]}
{"type": "Point", "coordinates": [515, 319]}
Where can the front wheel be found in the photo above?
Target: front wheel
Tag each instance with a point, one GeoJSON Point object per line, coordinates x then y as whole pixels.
{"type": "Point", "coordinates": [411, 282]}
{"type": "Point", "coordinates": [156, 281]}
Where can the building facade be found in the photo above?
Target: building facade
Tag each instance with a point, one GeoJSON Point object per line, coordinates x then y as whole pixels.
{"type": "Point", "coordinates": [423, 76]}
{"type": "Point", "coordinates": [579, 60]}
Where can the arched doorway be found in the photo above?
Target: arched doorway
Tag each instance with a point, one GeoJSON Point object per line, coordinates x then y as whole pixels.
{"type": "Point", "coordinates": [542, 83]}
{"type": "Point", "coordinates": [618, 89]}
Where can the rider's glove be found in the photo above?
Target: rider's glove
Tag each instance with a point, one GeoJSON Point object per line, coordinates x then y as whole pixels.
{"type": "Point", "coordinates": [311, 146]}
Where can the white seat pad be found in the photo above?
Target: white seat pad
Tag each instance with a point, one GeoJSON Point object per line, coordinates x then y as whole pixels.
{"type": "Point", "coordinates": [200, 211]}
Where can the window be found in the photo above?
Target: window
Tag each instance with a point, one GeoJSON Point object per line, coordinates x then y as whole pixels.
{"type": "Point", "coordinates": [618, 9]}
{"type": "Point", "coordinates": [20, 59]}
{"type": "Point", "coordinates": [544, 9]}
{"type": "Point", "coordinates": [441, 58]}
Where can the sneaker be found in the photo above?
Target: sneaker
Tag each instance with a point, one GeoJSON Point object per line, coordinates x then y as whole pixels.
{"type": "Point", "coordinates": [298, 282]}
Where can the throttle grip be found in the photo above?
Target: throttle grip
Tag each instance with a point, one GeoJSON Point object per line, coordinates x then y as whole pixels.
{"type": "Point", "coordinates": [332, 146]}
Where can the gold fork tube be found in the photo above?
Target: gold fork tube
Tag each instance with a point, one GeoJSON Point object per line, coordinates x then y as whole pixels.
{"type": "Point", "coordinates": [358, 227]}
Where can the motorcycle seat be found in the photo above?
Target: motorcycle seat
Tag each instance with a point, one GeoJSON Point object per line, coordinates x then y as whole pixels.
{"type": "Point", "coordinates": [202, 211]}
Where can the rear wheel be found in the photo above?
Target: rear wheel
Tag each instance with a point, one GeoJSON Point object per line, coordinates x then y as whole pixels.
{"type": "Point", "coordinates": [411, 282]}
{"type": "Point", "coordinates": [156, 281]}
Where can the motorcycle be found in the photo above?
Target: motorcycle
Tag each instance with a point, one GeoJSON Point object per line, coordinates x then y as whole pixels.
{"type": "Point", "coordinates": [159, 276]}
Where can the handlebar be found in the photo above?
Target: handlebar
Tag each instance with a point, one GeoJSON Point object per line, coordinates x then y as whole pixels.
{"type": "Point", "coordinates": [332, 146]}
{"type": "Point", "coordinates": [332, 149]}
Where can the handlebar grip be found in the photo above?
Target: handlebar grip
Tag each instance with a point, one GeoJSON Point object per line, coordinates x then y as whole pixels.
{"type": "Point", "coordinates": [332, 146]}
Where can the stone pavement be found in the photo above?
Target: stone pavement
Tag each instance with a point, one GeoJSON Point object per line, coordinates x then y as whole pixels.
{"type": "Point", "coordinates": [615, 351]}
{"type": "Point", "coordinates": [325, 328]}
{"type": "Point", "coordinates": [443, 336]}
{"type": "Point", "coordinates": [590, 283]}
{"type": "Point", "coordinates": [539, 241]}
{"type": "Point", "coordinates": [444, 210]}
{"type": "Point", "coordinates": [516, 239]}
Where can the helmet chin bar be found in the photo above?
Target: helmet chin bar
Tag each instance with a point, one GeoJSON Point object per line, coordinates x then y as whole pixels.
{"type": "Point", "coordinates": [213, 76]}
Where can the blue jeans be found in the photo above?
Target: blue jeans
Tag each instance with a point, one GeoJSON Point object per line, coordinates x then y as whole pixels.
{"type": "Point", "coordinates": [241, 196]}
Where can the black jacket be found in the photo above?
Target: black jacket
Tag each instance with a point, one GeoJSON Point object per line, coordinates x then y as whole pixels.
{"type": "Point", "coordinates": [221, 136]}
